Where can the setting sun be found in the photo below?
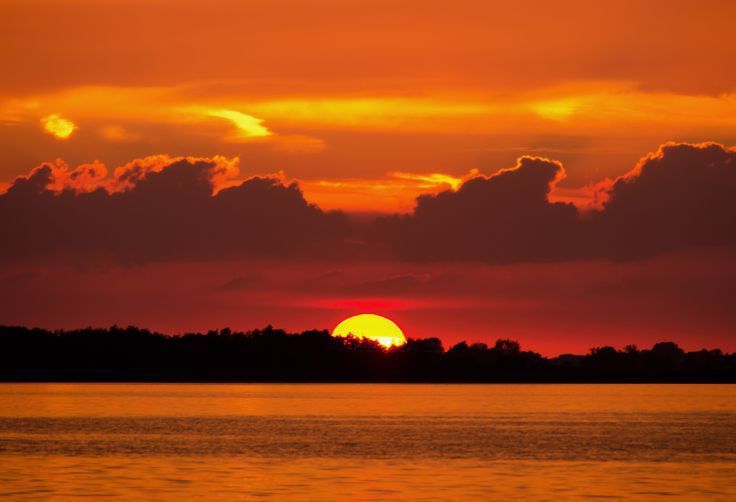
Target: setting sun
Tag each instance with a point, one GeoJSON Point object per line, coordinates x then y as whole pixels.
{"type": "Point", "coordinates": [373, 327]}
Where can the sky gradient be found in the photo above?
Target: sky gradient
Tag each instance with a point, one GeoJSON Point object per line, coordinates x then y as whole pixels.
{"type": "Point", "coordinates": [559, 174]}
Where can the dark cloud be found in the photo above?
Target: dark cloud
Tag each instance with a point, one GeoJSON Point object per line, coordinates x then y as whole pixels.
{"type": "Point", "coordinates": [505, 217]}
{"type": "Point", "coordinates": [680, 197]}
{"type": "Point", "coordinates": [158, 208]}
{"type": "Point", "coordinates": [164, 212]}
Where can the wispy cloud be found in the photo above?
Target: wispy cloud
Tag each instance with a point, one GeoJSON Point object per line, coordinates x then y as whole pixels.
{"type": "Point", "coordinates": [247, 126]}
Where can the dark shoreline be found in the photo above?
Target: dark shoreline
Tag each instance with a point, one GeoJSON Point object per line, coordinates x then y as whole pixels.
{"type": "Point", "coordinates": [275, 356]}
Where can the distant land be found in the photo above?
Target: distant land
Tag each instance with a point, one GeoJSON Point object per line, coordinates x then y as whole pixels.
{"type": "Point", "coordinates": [273, 355]}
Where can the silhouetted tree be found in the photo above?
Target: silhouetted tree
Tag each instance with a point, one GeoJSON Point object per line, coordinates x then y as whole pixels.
{"type": "Point", "coordinates": [272, 354]}
{"type": "Point", "coordinates": [506, 346]}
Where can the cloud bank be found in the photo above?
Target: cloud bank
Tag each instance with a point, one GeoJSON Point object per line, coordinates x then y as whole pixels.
{"type": "Point", "coordinates": [677, 198]}
{"type": "Point", "coordinates": [682, 196]}
{"type": "Point", "coordinates": [162, 208]}
{"type": "Point", "coordinates": [504, 217]}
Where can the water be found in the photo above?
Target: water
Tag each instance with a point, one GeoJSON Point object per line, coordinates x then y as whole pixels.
{"type": "Point", "coordinates": [316, 442]}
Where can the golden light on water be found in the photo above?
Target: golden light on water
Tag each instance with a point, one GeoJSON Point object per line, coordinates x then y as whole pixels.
{"type": "Point", "coordinates": [372, 327]}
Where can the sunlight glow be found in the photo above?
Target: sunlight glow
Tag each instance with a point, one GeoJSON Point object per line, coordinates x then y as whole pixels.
{"type": "Point", "coordinates": [371, 113]}
{"type": "Point", "coordinates": [431, 180]}
{"type": "Point", "coordinates": [558, 109]}
{"type": "Point", "coordinates": [604, 109]}
{"type": "Point", "coordinates": [57, 126]}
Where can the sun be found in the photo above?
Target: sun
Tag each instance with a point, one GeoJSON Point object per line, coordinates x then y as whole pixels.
{"type": "Point", "coordinates": [372, 327]}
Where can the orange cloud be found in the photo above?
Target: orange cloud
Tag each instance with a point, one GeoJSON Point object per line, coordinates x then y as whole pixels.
{"type": "Point", "coordinates": [57, 126]}
{"type": "Point", "coordinates": [117, 133]}
{"type": "Point", "coordinates": [89, 177]}
{"type": "Point", "coordinates": [580, 106]}
{"type": "Point", "coordinates": [219, 171]}
{"type": "Point", "coordinates": [434, 180]}
{"type": "Point", "coordinates": [83, 178]}
{"type": "Point", "coordinates": [247, 126]}
{"type": "Point", "coordinates": [381, 46]}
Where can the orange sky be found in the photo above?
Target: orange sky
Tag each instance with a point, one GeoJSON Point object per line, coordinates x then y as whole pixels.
{"type": "Point", "coordinates": [367, 103]}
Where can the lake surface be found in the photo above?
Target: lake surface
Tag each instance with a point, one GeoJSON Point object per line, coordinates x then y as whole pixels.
{"type": "Point", "coordinates": [363, 441]}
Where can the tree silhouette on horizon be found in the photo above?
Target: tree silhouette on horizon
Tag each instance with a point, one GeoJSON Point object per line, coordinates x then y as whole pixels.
{"type": "Point", "coordinates": [271, 354]}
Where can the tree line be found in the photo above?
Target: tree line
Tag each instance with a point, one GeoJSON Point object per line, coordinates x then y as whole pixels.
{"type": "Point", "coordinates": [269, 354]}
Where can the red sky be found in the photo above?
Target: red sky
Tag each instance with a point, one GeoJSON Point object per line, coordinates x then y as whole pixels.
{"type": "Point", "coordinates": [365, 106]}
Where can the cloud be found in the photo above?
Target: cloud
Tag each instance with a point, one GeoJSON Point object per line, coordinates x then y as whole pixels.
{"type": "Point", "coordinates": [679, 197]}
{"type": "Point", "coordinates": [219, 170]}
{"type": "Point", "coordinates": [170, 208]}
{"type": "Point", "coordinates": [57, 176]}
{"type": "Point", "coordinates": [57, 126]}
{"type": "Point", "coordinates": [433, 180]}
{"type": "Point", "coordinates": [247, 126]}
{"type": "Point", "coordinates": [504, 217]}
{"type": "Point", "coordinates": [160, 208]}
{"type": "Point", "coordinates": [118, 134]}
